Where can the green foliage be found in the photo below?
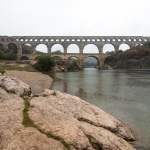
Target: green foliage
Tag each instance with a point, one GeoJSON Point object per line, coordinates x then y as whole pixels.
{"type": "Point", "coordinates": [2, 70]}
{"type": "Point", "coordinates": [45, 63]}
{"type": "Point", "coordinates": [74, 65]}
{"type": "Point", "coordinates": [147, 44]}
{"type": "Point", "coordinates": [9, 67]}
{"type": "Point", "coordinates": [137, 52]}
{"type": "Point", "coordinates": [7, 54]}
{"type": "Point", "coordinates": [110, 53]}
{"type": "Point", "coordinates": [13, 48]}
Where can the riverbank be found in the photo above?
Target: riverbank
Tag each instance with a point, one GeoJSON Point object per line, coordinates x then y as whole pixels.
{"type": "Point", "coordinates": [36, 80]}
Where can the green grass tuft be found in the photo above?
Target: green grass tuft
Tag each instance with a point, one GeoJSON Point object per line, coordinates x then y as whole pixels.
{"type": "Point", "coordinates": [7, 67]}
{"type": "Point", "coordinates": [2, 70]}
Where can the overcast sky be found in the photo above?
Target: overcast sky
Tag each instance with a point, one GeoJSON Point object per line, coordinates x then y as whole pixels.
{"type": "Point", "coordinates": [75, 17]}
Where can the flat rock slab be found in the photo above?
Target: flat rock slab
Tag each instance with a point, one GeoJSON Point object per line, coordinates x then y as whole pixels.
{"type": "Point", "coordinates": [80, 124]}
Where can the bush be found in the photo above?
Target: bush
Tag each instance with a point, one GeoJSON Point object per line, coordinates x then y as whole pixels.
{"type": "Point", "coordinates": [2, 71]}
{"type": "Point", "coordinates": [45, 63]}
{"type": "Point", "coordinates": [7, 55]}
{"type": "Point", "coordinates": [74, 65]}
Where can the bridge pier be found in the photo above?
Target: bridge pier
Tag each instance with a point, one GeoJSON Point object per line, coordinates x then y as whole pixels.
{"type": "Point", "coordinates": [81, 62]}
{"type": "Point", "coordinates": [100, 48]}
{"type": "Point", "coordinates": [20, 50]}
{"type": "Point", "coordinates": [101, 64]}
{"type": "Point", "coordinates": [34, 49]}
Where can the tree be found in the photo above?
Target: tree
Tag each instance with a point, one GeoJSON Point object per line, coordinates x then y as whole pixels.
{"type": "Point", "coordinates": [6, 54]}
{"type": "Point", "coordinates": [74, 65]}
{"type": "Point", "coordinates": [45, 63]}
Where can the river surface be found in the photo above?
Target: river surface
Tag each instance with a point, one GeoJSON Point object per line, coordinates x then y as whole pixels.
{"type": "Point", "coordinates": [124, 94]}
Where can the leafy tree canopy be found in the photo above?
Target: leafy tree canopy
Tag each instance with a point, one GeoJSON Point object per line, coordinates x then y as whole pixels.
{"type": "Point", "coordinates": [45, 63]}
{"type": "Point", "coordinates": [7, 54]}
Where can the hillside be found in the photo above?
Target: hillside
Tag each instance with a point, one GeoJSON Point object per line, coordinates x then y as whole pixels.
{"type": "Point", "coordinates": [135, 58]}
{"type": "Point", "coordinates": [57, 52]}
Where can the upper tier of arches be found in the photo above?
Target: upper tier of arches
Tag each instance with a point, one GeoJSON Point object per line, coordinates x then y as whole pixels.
{"type": "Point", "coordinates": [74, 39]}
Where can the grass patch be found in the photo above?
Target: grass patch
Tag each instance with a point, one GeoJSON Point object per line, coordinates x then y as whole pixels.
{"type": "Point", "coordinates": [8, 67]}
{"type": "Point", "coordinates": [27, 122]}
{"type": "Point", "coordinates": [86, 120]}
{"type": "Point", "coordinates": [2, 70]}
{"type": "Point", "coordinates": [95, 145]}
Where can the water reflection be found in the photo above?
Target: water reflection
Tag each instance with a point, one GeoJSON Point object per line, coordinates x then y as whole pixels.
{"type": "Point", "coordinates": [124, 94]}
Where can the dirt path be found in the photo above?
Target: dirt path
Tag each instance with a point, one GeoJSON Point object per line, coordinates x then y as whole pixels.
{"type": "Point", "coordinates": [36, 80]}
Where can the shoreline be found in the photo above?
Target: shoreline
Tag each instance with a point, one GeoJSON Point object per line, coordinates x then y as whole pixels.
{"type": "Point", "coordinates": [36, 80]}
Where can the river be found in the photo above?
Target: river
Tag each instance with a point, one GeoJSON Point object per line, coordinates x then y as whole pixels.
{"type": "Point", "coordinates": [124, 94]}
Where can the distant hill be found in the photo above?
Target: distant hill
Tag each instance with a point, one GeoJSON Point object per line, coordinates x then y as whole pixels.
{"type": "Point", "coordinates": [134, 58]}
{"type": "Point", "coordinates": [38, 52]}
{"type": "Point", "coordinates": [57, 52]}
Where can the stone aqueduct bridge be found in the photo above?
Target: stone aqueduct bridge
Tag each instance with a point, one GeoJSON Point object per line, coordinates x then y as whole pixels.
{"type": "Point", "coordinates": [65, 41]}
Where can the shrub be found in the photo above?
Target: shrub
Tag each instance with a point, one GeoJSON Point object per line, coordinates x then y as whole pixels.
{"type": "Point", "coordinates": [45, 63]}
{"type": "Point", "coordinates": [7, 55]}
{"type": "Point", "coordinates": [2, 71]}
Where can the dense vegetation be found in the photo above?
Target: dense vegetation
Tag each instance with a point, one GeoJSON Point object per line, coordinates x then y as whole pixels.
{"type": "Point", "coordinates": [44, 63]}
{"type": "Point", "coordinates": [7, 54]}
{"type": "Point", "coordinates": [2, 70]}
{"type": "Point", "coordinates": [138, 52]}
{"type": "Point", "coordinates": [74, 65]}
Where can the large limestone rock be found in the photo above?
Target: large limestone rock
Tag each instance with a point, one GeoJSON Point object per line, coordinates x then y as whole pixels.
{"type": "Point", "coordinates": [12, 84]}
{"type": "Point", "coordinates": [80, 124]}
{"type": "Point", "coordinates": [13, 135]}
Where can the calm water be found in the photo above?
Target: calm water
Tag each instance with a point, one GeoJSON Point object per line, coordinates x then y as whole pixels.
{"type": "Point", "coordinates": [124, 94]}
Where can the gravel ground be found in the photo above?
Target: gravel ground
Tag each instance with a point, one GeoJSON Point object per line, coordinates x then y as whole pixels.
{"type": "Point", "coordinates": [36, 80]}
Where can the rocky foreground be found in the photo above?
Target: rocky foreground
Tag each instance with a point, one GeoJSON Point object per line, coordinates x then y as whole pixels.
{"type": "Point", "coordinates": [55, 121]}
